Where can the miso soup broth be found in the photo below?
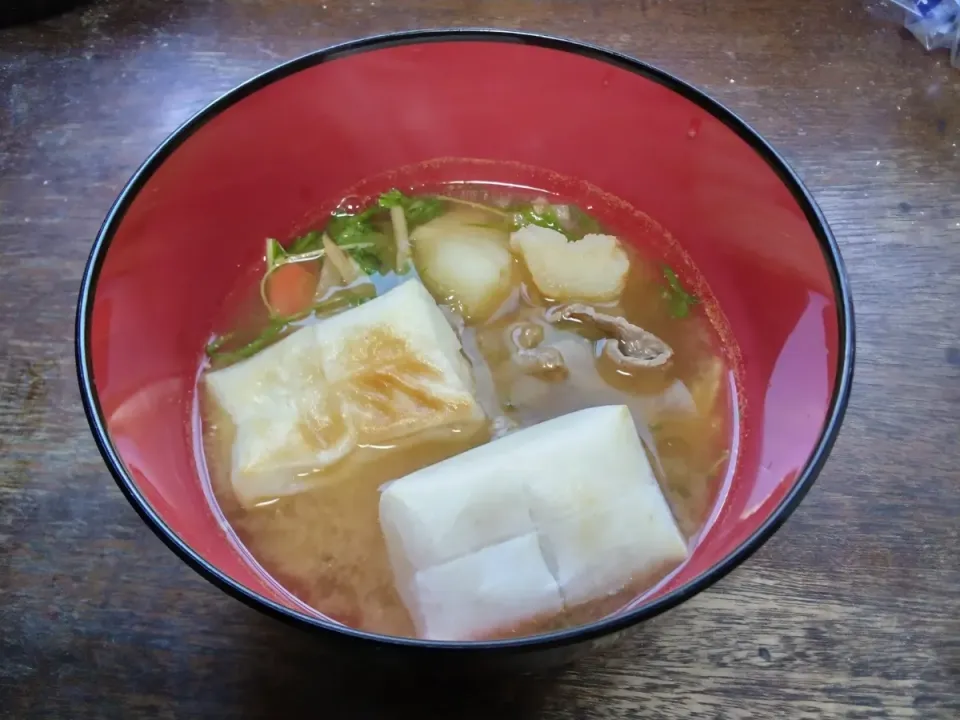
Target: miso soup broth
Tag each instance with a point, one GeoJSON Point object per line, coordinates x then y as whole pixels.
{"type": "Point", "coordinates": [553, 315]}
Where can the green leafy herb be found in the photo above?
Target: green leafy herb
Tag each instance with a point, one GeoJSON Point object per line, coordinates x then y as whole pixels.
{"type": "Point", "coordinates": [367, 258]}
{"type": "Point", "coordinates": [679, 300]}
{"type": "Point", "coordinates": [351, 230]}
{"type": "Point", "coordinates": [359, 236]}
{"type": "Point", "coordinates": [344, 227]}
{"type": "Point", "coordinates": [278, 327]}
{"type": "Point", "coordinates": [356, 234]}
{"type": "Point", "coordinates": [313, 240]}
{"type": "Point", "coordinates": [580, 222]}
{"type": "Point", "coordinates": [271, 333]}
{"type": "Point", "coordinates": [422, 210]}
{"type": "Point", "coordinates": [544, 217]}
{"type": "Point", "coordinates": [392, 198]}
{"type": "Point", "coordinates": [417, 211]}
{"type": "Point", "coordinates": [351, 297]}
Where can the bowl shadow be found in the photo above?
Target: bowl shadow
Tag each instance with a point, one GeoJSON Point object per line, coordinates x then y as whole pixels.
{"type": "Point", "coordinates": [303, 674]}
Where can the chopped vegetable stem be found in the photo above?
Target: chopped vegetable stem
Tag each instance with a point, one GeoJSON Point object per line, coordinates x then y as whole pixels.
{"type": "Point", "coordinates": [272, 332]}
{"type": "Point", "coordinates": [275, 253]}
{"type": "Point", "coordinates": [679, 300]}
{"type": "Point", "coordinates": [477, 205]}
{"type": "Point", "coordinates": [348, 270]}
{"type": "Point", "coordinates": [401, 237]}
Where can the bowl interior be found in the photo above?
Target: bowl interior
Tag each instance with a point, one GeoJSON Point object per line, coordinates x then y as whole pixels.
{"type": "Point", "coordinates": [269, 157]}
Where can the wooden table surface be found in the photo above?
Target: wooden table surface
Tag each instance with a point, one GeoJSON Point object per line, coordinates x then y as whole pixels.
{"type": "Point", "coordinates": [851, 611]}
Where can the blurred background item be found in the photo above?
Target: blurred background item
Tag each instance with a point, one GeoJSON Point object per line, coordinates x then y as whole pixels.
{"type": "Point", "coordinates": [13, 12]}
{"type": "Point", "coordinates": [935, 23]}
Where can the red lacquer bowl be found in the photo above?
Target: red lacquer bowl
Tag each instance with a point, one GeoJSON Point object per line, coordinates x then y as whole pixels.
{"type": "Point", "coordinates": [265, 158]}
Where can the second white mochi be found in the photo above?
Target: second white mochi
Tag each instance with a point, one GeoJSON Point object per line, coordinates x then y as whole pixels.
{"type": "Point", "coordinates": [580, 484]}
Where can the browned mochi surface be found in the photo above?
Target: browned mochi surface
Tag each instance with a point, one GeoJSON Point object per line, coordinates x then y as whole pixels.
{"type": "Point", "coordinates": [304, 410]}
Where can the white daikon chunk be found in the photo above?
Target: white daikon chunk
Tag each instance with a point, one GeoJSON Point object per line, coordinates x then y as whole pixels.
{"type": "Point", "coordinates": [465, 262]}
{"type": "Point", "coordinates": [592, 269]}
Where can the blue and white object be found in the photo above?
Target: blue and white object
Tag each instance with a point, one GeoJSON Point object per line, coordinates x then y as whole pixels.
{"type": "Point", "coordinates": [935, 23]}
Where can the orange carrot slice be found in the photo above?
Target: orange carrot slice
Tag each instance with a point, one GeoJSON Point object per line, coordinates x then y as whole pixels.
{"type": "Point", "coordinates": [290, 288]}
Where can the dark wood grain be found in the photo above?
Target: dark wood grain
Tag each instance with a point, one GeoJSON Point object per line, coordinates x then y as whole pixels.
{"type": "Point", "coordinates": [851, 611]}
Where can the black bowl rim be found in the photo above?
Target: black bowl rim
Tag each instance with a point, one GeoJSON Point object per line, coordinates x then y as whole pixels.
{"type": "Point", "coordinates": [575, 635]}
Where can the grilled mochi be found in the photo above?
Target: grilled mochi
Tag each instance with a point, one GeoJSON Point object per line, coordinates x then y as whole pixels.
{"type": "Point", "coordinates": [537, 522]}
{"type": "Point", "coordinates": [386, 372]}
